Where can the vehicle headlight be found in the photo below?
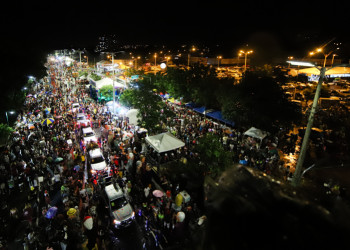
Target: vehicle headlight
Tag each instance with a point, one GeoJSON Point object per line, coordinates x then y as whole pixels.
{"type": "Point", "coordinates": [117, 222]}
{"type": "Point", "coordinates": [133, 215]}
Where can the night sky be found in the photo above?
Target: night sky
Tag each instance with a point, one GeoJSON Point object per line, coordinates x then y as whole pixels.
{"type": "Point", "coordinates": [285, 28]}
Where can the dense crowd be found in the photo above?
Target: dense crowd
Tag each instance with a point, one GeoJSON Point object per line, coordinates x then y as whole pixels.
{"type": "Point", "coordinates": [50, 200]}
{"type": "Point", "coordinates": [47, 163]}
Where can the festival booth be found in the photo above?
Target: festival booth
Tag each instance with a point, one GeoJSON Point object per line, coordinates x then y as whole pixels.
{"type": "Point", "coordinates": [218, 116]}
{"type": "Point", "coordinates": [164, 142]}
{"type": "Point", "coordinates": [108, 81]}
{"type": "Point", "coordinates": [132, 115]}
{"type": "Point", "coordinates": [256, 133]}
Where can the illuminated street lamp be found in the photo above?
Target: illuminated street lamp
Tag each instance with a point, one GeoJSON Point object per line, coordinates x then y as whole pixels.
{"type": "Point", "coordinates": [298, 174]}
{"type": "Point", "coordinates": [189, 55]}
{"type": "Point", "coordinates": [219, 58]}
{"type": "Point", "coordinates": [333, 59]}
{"type": "Point", "coordinates": [136, 61]}
{"type": "Point", "coordinates": [7, 118]}
{"type": "Point", "coordinates": [155, 59]}
{"type": "Point", "coordinates": [245, 57]}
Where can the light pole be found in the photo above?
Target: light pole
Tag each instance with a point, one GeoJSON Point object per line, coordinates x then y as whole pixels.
{"type": "Point", "coordinates": [155, 59]}
{"type": "Point", "coordinates": [189, 55]}
{"type": "Point", "coordinates": [298, 174]}
{"type": "Point", "coordinates": [219, 58]}
{"type": "Point", "coordinates": [113, 83]}
{"type": "Point", "coordinates": [333, 59]}
{"type": "Point", "coordinates": [245, 57]}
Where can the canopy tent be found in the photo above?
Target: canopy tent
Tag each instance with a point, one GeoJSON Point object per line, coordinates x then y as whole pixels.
{"type": "Point", "coordinates": [218, 116]}
{"type": "Point", "coordinates": [316, 71]}
{"type": "Point", "coordinates": [164, 142]}
{"type": "Point", "coordinates": [132, 115]}
{"type": "Point", "coordinates": [108, 81]}
{"type": "Point", "coordinates": [256, 133]}
{"type": "Point", "coordinates": [191, 105]}
{"type": "Point", "coordinates": [200, 109]}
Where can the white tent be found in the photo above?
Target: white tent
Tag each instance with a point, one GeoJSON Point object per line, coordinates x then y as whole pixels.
{"type": "Point", "coordinates": [164, 142]}
{"type": "Point", "coordinates": [132, 115]}
{"type": "Point", "coordinates": [108, 81]}
{"type": "Point", "coordinates": [256, 133]}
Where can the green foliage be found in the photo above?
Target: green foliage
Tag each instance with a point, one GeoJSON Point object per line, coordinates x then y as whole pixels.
{"type": "Point", "coordinates": [83, 73]}
{"type": "Point", "coordinates": [5, 132]}
{"type": "Point", "coordinates": [107, 91]}
{"type": "Point", "coordinates": [131, 71]}
{"type": "Point", "coordinates": [95, 77]}
{"type": "Point", "coordinates": [153, 112]}
{"type": "Point", "coordinates": [128, 98]}
{"type": "Point", "coordinates": [213, 157]}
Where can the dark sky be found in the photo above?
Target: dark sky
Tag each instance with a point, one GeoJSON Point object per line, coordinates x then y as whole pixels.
{"type": "Point", "coordinates": [281, 25]}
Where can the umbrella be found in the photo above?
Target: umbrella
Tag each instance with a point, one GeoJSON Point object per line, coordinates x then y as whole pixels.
{"type": "Point", "coordinates": [47, 110]}
{"type": "Point", "coordinates": [158, 193]}
{"type": "Point", "coordinates": [51, 212]}
{"type": "Point", "coordinates": [30, 95]}
{"type": "Point", "coordinates": [47, 121]}
{"type": "Point", "coordinates": [127, 136]}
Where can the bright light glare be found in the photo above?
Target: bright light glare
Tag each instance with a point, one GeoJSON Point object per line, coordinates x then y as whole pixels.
{"type": "Point", "coordinates": [298, 63]}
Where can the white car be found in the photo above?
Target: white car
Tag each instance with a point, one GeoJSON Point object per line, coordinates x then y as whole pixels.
{"type": "Point", "coordinates": [82, 120]}
{"type": "Point", "coordinates": [88, 135]}
{"type": "Point", "coordinates": [97, 161]}
{"type": "Point", "coordinates": [120, 209]}
{"type": "Point", "coordinates": [75, 107]}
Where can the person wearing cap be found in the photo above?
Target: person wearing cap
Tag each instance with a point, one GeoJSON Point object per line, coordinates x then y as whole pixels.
{"type": "Point", "coordinates": [90, 231]}
{"type": "Point", "coordinates": [71, 213]}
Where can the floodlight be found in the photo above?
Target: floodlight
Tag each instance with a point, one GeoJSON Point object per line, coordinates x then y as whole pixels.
{"type": "Point", "coordinates": [299, 63]}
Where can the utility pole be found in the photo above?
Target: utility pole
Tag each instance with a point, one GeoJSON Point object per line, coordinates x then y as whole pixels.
{"type": "Point", "coordinates": [80, 51]}
{"type": "Point", "coordinates": [297, 174]}
{"type": "Point", "coordinates": [113, 83]}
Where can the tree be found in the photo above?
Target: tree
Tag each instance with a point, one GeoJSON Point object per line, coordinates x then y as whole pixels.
{"type": "Point", "coordinates": [153, 112]}
{"type": "Point", "coordinates": [95, 77]}
{"type": "Point", "coordinates": [5, 132]}
{"type": "Point", "coordinates": [107, 91]}
{"type": "Point", "coordinates": [259, 101]}
{"type": "Point", "coordinates": [213, 157]}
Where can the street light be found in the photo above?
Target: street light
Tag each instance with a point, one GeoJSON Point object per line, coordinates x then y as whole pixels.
{"type": "Point", "coordinates": [7, 118]}
{"type": "Point", "coordinates": [155, 59]}
{"type": "Point", "coordinates": [333, 59]}
{"type": "Point", "coordinates": [298, 174]}
{"type": "Point", "coordinates": [189, 55]}
{"type": "Point", "coordinates": [219, 58]}
{"type": "Point", "coordinates": [241, 52]}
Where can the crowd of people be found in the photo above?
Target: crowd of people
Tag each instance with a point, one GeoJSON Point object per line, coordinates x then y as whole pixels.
{"type": "Point", "coordinates": [51, 200]}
